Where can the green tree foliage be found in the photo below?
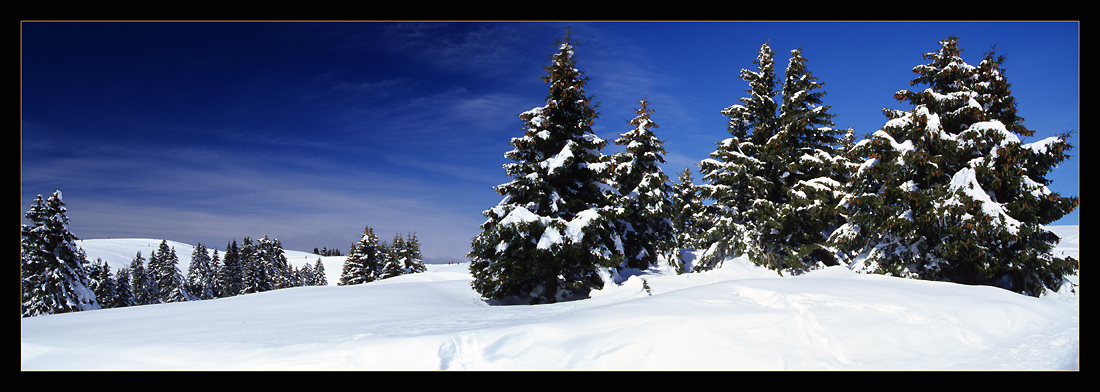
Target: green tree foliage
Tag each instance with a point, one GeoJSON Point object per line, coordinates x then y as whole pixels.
{"type": "Point", "coordinates": [551, 235]}
{"type": "Point", "coordinates": [52, 266]}
{"type": "Point", "coordinates": [950, 192]}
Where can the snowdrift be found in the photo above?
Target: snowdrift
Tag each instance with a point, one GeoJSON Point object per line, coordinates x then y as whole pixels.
{"type": "Point", "coordinates": [739, 317]}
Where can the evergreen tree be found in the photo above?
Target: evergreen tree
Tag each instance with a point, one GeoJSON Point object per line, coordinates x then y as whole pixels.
{"type": "Point", "coordinates": [552, 234]}
{"type": "Point", "coordinates": [124, 290]}
{"type": "Point", "coordinates": [103, 284]}
{"type": "Point", "coordinates": [363, 264]}
{"type": "Point", "coordinates": [776, 182]}
{"type": "Point", "coordinates": [687, 206]}
{"type": "Point", "coordinates": [414, 261]}
{"type": "Point", "coordinates": [215, 277]}
{"type": "Point", "coordinates": [319, 274]}
{"type": "Point", "coordinates": [139, 281]}
{"type": "Point", "coordinates": [170, 281]}
{"type": "Point", "coordinates": [393, 260]}
{"type": "Point", "coordinates": [949, 192]}
{"type": "Point", "coordinates": [645, 224]}
{"type": "Point", "coordinates": [53, 278]}
{"type": "Point", "coordinates": [231, 275]}
{"type": "Point", "coordinates": [735, 176]}
{"type": "Point", "coordinates": [252, 269]}
{"type": "Point", "coordinates": [200, 273]}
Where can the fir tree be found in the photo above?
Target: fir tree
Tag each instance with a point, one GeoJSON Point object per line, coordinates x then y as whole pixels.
{"type": "Point", "coordinates": [687, 206]}
{"type": "Point", "coordinates": [252, 270]}
{"type": "Point", "coordinates": [125, 292]}
{"type": "Point", "coordinates": [552, 234]}
{"type": "Point", "coordinates": [319, 274]}
{"type": "Point", "coordinates": [102, 283]}
{"type": "Point", "coordinates": [393, 262]}
{"type": "Point", "coordinates": [414, 260]}
{"type": "Point", "coordinates": [363, 264]}
{"type": "Point", "coordinates": [53, 277]}
{"type": "Point", "coordinates": [170, 281]}
{"type": "Point", "coordinates": [646, 228]}
{"type": "Point", "coordinates": [949, 192]}
{"type": "Point", "coordinates": [139, 281]}
{"type": "Point", "coordinates": [231, 275]}
{"type": "Point", "coordinates": [776, 182]}
{"type": "Point", "coordinates": [200, 273]}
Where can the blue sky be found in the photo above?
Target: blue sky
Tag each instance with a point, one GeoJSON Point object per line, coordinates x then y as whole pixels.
{"type": "Point", "coordinates": [310, 131]}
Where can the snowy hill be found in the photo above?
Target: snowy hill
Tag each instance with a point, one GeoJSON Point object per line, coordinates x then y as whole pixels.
{"type": "Point", "coordinates": [739, 317]}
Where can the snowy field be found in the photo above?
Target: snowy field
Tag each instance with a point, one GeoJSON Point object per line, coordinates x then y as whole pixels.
{"type": "Point", "coordinates": [738, 317]}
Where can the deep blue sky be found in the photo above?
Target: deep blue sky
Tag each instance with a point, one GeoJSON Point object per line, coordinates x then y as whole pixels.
{"type": "Point", "coordinates": [308, 132]}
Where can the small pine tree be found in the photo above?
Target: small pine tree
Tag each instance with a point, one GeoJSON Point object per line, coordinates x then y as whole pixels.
{"type": "Point", "coordinates": [124, 290]}
{"type": "Point", "coordinates": [170, 282]}
{"type": "Point", "coordinates": [414, 261]}
{"type": "Point", "coordinates": [393, 261]}
{"type": "Point", "coordinates": [200, 273]}
{"type": "Point", "coordinates": [687, 205]}
{"type": "Point", "coordinates": [319, 274]}
{"type": "Point", "coordinates": [139, 281]}
{"type": "Point", "coordinates": [363, 264]}
{"type": "Point", "coordinates": [53, 277]}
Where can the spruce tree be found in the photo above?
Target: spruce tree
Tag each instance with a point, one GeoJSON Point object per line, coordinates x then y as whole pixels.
{"type": "Point", "coordinates": [645, 222]}
{"type": "Point", "coordinates": [949, 192]}
{"type": "Point", "coordinates": [231, 275]}
{"type": "Point", "coordinates": [139, 281]}
{"type": "Point", "coordinates": [552, 234]}
{"type": "Point", "coordinates": [393, 261]}
{"type": "Point", "coordinates": [776, 181]}
{"type": "Point", "coordinates": [414, 260]}
{"type": "Point", "coordinates": [170, 281]}
{"type": "Point", "coordinates": [687, 205]}
{"type": "Point", "coordinates": [200, 273]}
{"type": "Point", "coordinates": [319, 274]}
{"type": "Point", "coordinates": [363, 263]}
{"type": "Point", "coordinates": [53, 276]}
{"type": "Point", "coordinates": [125, 291]}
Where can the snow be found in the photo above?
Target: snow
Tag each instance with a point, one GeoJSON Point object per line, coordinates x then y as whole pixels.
{"type": "Point", "coordinates": [737, 317]}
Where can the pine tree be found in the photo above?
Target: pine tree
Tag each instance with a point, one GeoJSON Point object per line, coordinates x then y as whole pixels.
{"type": "Point", "coordinates": [735, 176]}
{"type": "Point", "coordinates": [319, 274]}
{"type": "Point", "coordinates": [949, 191]}
{"type": "Point", "coordinates": [200, 273]}
{"type": "Point", "coordinates": [363, 264]}
{"type": "Point", "coordinates": [393, 261]}
{"type": "Point", "coordinates": [124, 290]}
{"type": "Point", "coordinates": [103, 284]}
{"type": "Point", "coordinates": [645, 224]}
{"type": "Point", "coordinates": [687, 205]}
{"type": "Point", "coordinates": [139, 281]}
{"type": "Point", "coordinates": [414, 260]}
{"type": "Point", "coordinates": [252, 269]}
{"type": "Point", "coordinates": [170, 281]}
{"type": "Point", "coordinates": [53, 278]}
{"type": "Point", "coordinates": [552, 234]}
{"type": "Point", "coordinates": [775, 182]}
{"type": "Point", "coordinates": [231, 275]}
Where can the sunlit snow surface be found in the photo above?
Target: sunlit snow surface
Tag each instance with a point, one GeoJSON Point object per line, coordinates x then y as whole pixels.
{"type": "Point", "coordinates": [739, 317]}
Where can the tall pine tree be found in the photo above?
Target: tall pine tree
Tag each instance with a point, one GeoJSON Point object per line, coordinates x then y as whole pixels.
{"type": "Point", "coordinates": [646, 226]}
{"type": "Point", "coordinates": [949, 192]}
{"type": "Point", "coordinates": [53, 276]}
{"type": "Point", "coordinates": [550, 237]}
{"type": "Point", "coordinates": [231, 274]}
{"type": "Point", "coordinates": [775, 181]}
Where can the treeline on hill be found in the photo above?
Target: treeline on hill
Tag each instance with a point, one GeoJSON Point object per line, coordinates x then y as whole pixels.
{"type": "Point", "coordinates": [56, 276]}
{"type": "Point", "coordinates": [944, 191]}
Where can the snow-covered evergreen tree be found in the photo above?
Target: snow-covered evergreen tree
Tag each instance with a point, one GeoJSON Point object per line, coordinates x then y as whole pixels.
{"type": "Point", "coordinates": [364, 260]}
{"type": "Point", "coordinates": [231, 274]}
{"type": "Point", "coordinates": [645, 223]}
{"type": "Point", "coordinates": [393, 260]}
{"type": "Point", "coordinates": [139, 281]}
{"type": "Point", "coordinates": [102, 283]}
{"type": "Point", "coordinates": [552, 234]}
{"type": "Point", "coordinates": [414, 260]}
{"type": "Point", "coordinates": [170, 281]}
{"type": "Point", "coordinates": [252, 268]}
{"type": "Point", "coordinates": [320, 279]}
{"type": "Point", "coordinates": [200, 274]}
{"type": "Point", "coordinates": [53, 276]}
{"type": "Point", "coordinates": [687, 206]}
{"type": "Point", "coordinates": [123, 289]}
{"type": "Point", "coordinates": [950, 192]}
{"type": "Point", "coordinates": [776, 181]}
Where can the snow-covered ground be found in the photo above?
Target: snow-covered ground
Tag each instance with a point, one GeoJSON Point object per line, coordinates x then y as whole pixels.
{"type": "Point", "coordinates": [739, 317]}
